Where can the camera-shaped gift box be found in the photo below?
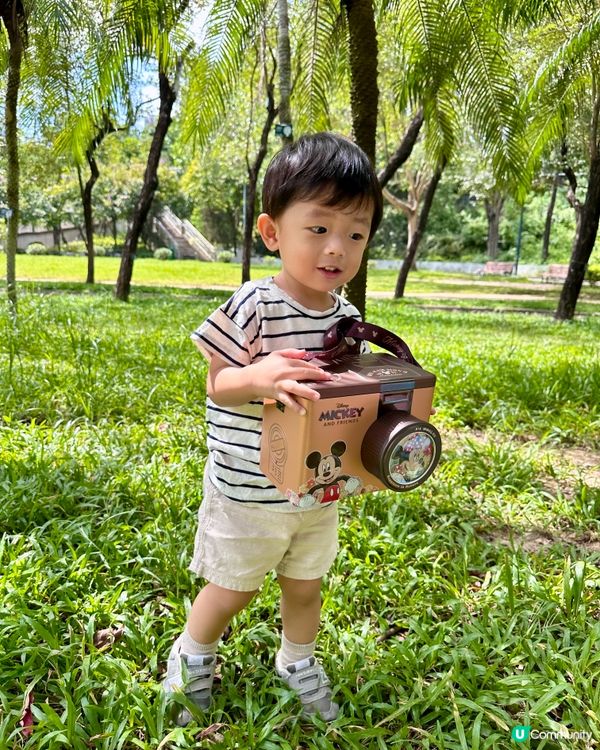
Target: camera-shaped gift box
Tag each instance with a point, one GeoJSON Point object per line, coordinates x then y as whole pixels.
{"type": "Point", "coordinates": [369, 430]}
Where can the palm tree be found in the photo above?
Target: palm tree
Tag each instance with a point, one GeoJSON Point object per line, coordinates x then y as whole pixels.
{"type": "Point", "coordinates": [565, 97]}
{"type": "Point", "coordinates": [364, 101]}
{"type": "Point", "coordinates": [253, 166]}
{"type": "Point", "coordinates": [14, 18]}
{"type": "Point", "coordinates": [135, 33]}
{"type": "Point", "coordinates": [284, 61]}
{"type": "Point", "coordinates": [454, 69]}
{"type": "Point", "coordinates": [148, 30]}
{"type": "Point", "coordinates": [40, 26]}
{"type": "Point", "coordinates": [64, 92]}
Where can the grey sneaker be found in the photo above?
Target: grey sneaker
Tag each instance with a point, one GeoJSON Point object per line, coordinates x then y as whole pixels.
{"type": "Point", "coordinates": [193, 675]}
{"type": "Point", "coordinates": [308, 679]}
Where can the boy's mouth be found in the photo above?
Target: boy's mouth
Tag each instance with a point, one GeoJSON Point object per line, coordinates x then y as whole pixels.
{"type": "Point", "coordinates": [330, 270]}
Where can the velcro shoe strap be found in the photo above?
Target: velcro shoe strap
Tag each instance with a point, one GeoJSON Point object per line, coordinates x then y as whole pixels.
{"type": "Point", "coordinates": [311, 682]}
{"type": "Point", "coordinates": [199, 675]}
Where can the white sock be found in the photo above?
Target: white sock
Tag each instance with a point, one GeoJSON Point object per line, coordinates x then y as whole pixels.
{"type": "Point", "coordinates": [290, 653]}
{"type": "Point", "coordinates": [192, 647]}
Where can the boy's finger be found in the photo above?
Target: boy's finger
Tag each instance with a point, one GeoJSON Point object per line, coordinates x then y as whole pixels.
{"type": "Point", "coordinates": [299, 390]}
{"type": "Point", "coordinates": [316, 374]}
{"type": "Point", "coordinates": [292, 353]}
{"type": "Point", "coordinates": [286, 398]}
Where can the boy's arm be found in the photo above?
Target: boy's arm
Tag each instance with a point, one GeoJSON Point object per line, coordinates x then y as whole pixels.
{"type": "Point", "coordinates": [275, 376]}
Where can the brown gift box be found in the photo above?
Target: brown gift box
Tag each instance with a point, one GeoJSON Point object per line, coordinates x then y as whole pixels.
{"type": "Point", "coordinates": [369, 430]}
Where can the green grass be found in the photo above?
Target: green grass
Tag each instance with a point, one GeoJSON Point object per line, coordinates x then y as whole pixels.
{"type": "Point", "coordinates": [459, 290]}
{"type": "Point", "coordinates": [452, 614]}
{"type": "Point", "coordinates": [146, 270]}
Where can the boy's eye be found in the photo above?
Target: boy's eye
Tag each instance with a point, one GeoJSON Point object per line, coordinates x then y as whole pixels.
{"type": "Point", "coordinates": [357, 236]}
{"type": "Point", "coordinates": [318, 230]}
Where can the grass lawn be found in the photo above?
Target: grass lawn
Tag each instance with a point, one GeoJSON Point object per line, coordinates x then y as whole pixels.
{"type": "Point", "coordinates": [452, 614]}
{"type": "Point", "coordinates": [428, 288]}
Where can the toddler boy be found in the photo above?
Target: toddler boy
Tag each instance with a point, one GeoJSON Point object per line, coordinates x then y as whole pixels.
{"type": "Point", "coordinates": [321, 205]}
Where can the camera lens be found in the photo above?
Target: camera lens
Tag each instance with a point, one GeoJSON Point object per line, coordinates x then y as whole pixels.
{"type": "Point", "coordinates": [401, 450]}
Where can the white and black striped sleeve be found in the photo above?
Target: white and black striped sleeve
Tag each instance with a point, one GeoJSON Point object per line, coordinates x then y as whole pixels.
{"type": "Point", "coordinates": [229, 332]}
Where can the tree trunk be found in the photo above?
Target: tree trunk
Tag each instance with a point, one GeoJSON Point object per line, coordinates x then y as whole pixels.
{"type": "Point", "coordinates": [493, 210]}
{"type": "Point", "coordinates": [142, 207]}
{"type": "Point", "coordinates": [583, 244]}
{"type": "Point", "coordinates": [88, 214]}
{"type": "Point", "coordinates": [253, 172]}
{"type": "Point", "coordinates": [413, 246]}
{"type": "Point", "coordinates": [548, 225]}
{"type": "Point", "coordinates": [13, 16]}
{"type": "Point", "coordinates": [56, 238]}
{"type": "Point", "coordinates": [403, 151]}
{"type": "Point", "coordinates": [113, 225]}
{"type": "Point", "coordinates": [284, 57]}
{"type": "Point", "coordinates": [86, 193]}
{"type": "Point", "coordinates": [364, 97]}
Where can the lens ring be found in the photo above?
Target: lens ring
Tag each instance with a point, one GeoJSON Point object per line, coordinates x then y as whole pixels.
{"type": "Point", "coordinates": [401, 450]}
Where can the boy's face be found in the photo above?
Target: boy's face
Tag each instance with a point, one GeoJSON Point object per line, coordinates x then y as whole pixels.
{"type": "Point", "coordinates": [321, 248]}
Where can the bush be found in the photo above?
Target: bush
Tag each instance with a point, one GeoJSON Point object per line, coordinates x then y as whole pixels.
{"type": "Point", "coordinates": [77, 247]}
{"type": "Point", "coordinates": [442, 247]}
{"type": "Point", "coordinates": [593, 274]}
{"type": "Point", "coordinates": [103, 246]}
{"type": "Point", "coordinates": [37, 248]}
{"type": "Point", "coordinates": [225, 256]}
{"type": "Point", "coordinates": [163, 253]}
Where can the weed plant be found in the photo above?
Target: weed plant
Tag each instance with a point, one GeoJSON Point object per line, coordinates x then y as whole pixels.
{"type": "Point", "coordinates": [446, 621]}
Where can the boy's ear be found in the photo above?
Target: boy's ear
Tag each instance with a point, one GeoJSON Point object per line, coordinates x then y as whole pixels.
{"type": "Point", "coordinates": [268, 231]}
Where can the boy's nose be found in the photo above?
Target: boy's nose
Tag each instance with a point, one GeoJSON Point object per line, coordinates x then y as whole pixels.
{"type": "Point", "coordinates": [335, 246]}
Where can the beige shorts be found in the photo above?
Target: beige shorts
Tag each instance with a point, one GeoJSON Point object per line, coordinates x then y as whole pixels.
{"type": "Point", "coordinates": [237, 544]}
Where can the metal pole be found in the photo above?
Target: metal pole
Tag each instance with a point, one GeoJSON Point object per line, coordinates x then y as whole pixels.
{"type": "Point", "coordinates": [519, 240]}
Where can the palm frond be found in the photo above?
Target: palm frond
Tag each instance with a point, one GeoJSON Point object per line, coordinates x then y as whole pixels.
{"type": "Point", "coordinates": [321, 33]}
{"type": "Point", "coordinates": [426, 37]}
{"type": "Point", "coordinates": [3, 50]}
{"type": "Point", "coordinates": [490, 95]}
{"type": "Point", "coordinates": [571, 60]}
{"type": "Point", "coordinates": [530, 12]}
{"type": "Point", "coordinates": [442, 125]}
{"type": "Point", "coordinates": [231, 27]}
{"type": "Point", "coordinates": [562, 84]}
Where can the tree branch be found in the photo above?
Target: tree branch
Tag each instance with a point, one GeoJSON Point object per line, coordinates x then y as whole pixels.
{"type": "Point", "coordinates": [403, 206]}
{"type": "Point", "coordinates": [403, 151]}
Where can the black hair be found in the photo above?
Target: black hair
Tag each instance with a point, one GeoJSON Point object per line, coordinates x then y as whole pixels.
{"type": "Point", "coordinates": [327, 167]}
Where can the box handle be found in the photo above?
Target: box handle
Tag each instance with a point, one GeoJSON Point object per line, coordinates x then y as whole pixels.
{"type": "Point", "coordinates": [335, 340]}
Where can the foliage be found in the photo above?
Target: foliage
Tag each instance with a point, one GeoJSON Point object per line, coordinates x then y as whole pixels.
{"type": "Point", "coordinates": [37, 248]}
{"type": "Point", "coordinates": [593, 273]}
{"type": "Point", "coordinates": [163, 253]}
{"type": "Point", "coordinates": [561, 95]}
{"type": "Point", "coordinates": [212, 181]}
{"type": "Point", "coordinates": [225, 256]}
{"type": "Point", "coordinates": [103, 445]}
{"type": "Point", "coordinates": [456, 63]}
{"type": "Point", "coordinates": [230, 30]}
{"type": "Point", "coordinates": [102, 247]}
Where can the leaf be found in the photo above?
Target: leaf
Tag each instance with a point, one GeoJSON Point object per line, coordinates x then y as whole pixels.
{"type": "Point", "coordinates": [26, 720]}
{"type": "Point", "coordinates": [211, 733]}
{"type": "Point", "coordinates": [107, 636]}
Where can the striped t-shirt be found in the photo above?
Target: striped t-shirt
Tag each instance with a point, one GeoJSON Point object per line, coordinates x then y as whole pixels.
{"type": "Point", "coordinates": [258, 319]}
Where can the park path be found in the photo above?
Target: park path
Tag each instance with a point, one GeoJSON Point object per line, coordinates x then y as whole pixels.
{"type": "Point", "coordinates": [544, 291]}
{"type": "Point", "coordinates": [478, 295]}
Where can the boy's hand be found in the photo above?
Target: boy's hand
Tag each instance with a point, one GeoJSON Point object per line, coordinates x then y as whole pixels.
{"type": "Point", "coordinates": [277, 376]}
